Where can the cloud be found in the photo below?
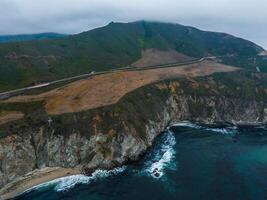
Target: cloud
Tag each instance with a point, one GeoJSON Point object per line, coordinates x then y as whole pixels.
{"type": "Point", "coordinates": [245, 18]}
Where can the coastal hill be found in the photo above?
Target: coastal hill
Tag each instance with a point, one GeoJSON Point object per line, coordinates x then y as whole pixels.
{"type": "Point", "coordinates": [105, 120]}
{"type": "Point", "coordinates": [117, 45]}
{"type": "Point", "coordinates": [110, 120]}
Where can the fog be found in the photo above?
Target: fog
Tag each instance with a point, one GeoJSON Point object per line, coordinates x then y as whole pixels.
{"type": "Point", "coordinates": [243, 18]}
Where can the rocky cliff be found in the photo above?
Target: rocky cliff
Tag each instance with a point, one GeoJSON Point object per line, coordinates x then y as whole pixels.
{"type": "Point", "coordinates": [114, 135]}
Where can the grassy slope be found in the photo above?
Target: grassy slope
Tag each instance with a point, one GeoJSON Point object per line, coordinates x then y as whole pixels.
{"type": "Point", "coordinates": [113, 46]}
{"type": "Point", "coordinates": [244, 85]}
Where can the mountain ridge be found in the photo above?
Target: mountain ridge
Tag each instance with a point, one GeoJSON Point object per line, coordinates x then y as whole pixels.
{"type": "Point", "coordinates": [113, 46]}
{"type": "Point", "coordinates": [111, 119]}
{"type": "Point", "coordinates": [29, 37]}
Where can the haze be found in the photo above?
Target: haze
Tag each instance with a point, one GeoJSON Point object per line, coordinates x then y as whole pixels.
{"type": "Point", "coordinates": [244, 18]}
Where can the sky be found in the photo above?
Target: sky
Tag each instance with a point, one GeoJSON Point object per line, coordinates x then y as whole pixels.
{"type": "Point", "coordinates": [243, 18]}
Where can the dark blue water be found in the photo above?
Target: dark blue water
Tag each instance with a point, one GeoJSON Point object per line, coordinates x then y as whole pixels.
{"type": "Point", "coordinates": [185, 163]}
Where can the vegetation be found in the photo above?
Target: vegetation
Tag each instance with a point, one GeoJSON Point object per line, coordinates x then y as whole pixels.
{"type": "Point", "coordinates": [243, 85]}
{"type": "Point", "coordinates": [239, 84]}
{"type": "Point", "coordinates": [113, 46]}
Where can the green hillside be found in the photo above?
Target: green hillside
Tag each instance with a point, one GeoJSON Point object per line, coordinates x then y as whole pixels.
{"type": "Point", "coordinates": [115, 45]}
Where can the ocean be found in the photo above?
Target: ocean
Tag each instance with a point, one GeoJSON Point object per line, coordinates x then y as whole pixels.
{"type": "Point", "coordinates": [188, 161]}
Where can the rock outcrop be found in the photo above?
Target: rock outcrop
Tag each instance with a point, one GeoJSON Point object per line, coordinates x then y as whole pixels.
{"type": "Point", "coordinates": [114, 135]}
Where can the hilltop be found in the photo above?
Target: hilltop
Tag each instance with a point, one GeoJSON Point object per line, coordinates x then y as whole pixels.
{"type": "Point", "coordinates": [108, 119]}
{"type": "Point", "coordinates": [117, 45]}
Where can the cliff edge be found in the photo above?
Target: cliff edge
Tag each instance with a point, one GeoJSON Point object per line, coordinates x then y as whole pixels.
{"type": "Point", "coordinates": [115, 134]}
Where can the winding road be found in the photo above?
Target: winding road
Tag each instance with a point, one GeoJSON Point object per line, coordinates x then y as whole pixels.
{"type": "Point", "coordinates": [10, 93]}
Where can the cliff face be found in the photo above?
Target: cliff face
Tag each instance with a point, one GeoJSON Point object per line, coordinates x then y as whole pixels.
{"type": "Point", "coordinates": [113, 135]}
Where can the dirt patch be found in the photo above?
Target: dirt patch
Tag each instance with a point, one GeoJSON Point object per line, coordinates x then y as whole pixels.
{"type": "Point", "coordinates": [9, 116]}
{"type": "Point", "coordinates": [107, 89]}
{"type": "Point", "coordinates": [151, 57]}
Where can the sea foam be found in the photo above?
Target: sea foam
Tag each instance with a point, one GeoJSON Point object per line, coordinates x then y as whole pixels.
{"type": "Point", "coordinates": [66, 183]}
{"type": "Point", "coordinates": [162, 157]}
{"type": "Point", "coordinates": [187, 124]}
{"type": "Point", "coordinates": [223, 130]}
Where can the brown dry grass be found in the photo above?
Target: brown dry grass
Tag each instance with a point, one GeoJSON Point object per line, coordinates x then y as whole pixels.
{"type": "Point", "coordinates": [8, 116]}
{"type": "Point", "coordinates": [109, 88]}
{"type": "Point", "coordinates": [152, 57]}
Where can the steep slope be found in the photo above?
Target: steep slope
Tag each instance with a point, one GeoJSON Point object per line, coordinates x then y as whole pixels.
{"type": "Point", "coordinates": [116, 45]}
{"type": "Point", "coordinates": [113, 135]}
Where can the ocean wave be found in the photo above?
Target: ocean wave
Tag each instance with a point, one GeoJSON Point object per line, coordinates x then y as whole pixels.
{"type": "Point", "coordinates": [223, 130]}
{"type": "Point", "coordinates": [66, 183]}
{"type": "Point", "coordinates": [162, 157]}
{"type": "Point", "coordinates": [187, 124]}
{"type": "Point", "coordinates": [69, 182]}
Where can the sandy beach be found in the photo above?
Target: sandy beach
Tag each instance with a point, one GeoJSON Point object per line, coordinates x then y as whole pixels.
{"type": "Point", "coordinates": [35, 178]}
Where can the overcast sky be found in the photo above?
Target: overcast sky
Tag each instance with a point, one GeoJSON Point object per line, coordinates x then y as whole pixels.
{"type": "Point", "coordinates": [245, 18]}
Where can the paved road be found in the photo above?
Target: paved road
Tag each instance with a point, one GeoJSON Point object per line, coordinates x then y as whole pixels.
{"type": "Point", "coordinates": [7, 94]}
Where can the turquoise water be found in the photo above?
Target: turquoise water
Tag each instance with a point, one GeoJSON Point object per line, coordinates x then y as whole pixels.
{"type": "Point", "coordinates": [187, 162]}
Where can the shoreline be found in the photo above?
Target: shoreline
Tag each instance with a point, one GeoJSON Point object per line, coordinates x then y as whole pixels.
{"type": "Point", "coordinates": [35, 178]}
{"type": "Point", "coordinates": [41, 176]}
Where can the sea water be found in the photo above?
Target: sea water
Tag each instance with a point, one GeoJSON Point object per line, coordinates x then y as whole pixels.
{"type": "Point", "coordinates": [188, 161]}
